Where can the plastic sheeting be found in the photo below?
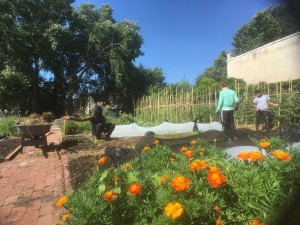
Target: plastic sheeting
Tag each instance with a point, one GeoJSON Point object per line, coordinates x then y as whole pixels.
{"type": "Point", "coordinates": [133, 129]}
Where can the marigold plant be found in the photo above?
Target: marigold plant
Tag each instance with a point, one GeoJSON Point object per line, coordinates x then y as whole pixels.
{"type": "Point", "coordinates": [61, 201]}
{"type": "Point", "coordinates": [146, 148]}
{"type": "Point", "coordinates": [216, 178]}
{"type": "Point", "coordinates": [110, 195]}
{"type": "Point", "coordinates": [198, 165]}
{"type": "Point", "coordinates": [189, 154]}
{"type": "Point", "coordinates": [165, 178]}
{"type": "Point", "coordinates": [180, 183]}
{"type": "Point", "coordinates": [264, 144]}
{"type": "Point", "coordinates": [102, 160]}
{"type": "Point", "coordinates": [66, 216]}
{"type": "Point", "coordinates": [127, 165]}
{"type": "Point", "coordinates": [184, 149]}
{"type": "Point", "coordinates": [156, 142]}
{"type": "Point", "coordinates": [256, 156]}
{"type": "Point", "coordinates": [243, 155]}
{"type": "Point", "coordinates": [201, 149]}
{"type": "Point", "coordinates": [134, 189]}
{"type": "Point", "coordinates": [281, 155]}
{"type": "Point", "coordinates": [174, 210]}
{"type": "Point", "coordinates": [256, 222]}
{"type": "Point", "coordinates": [193, 142]}
{"type": "Point", "coordinates": [219, 221]}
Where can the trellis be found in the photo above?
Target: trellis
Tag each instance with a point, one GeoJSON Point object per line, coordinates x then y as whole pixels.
{"type": "Point", "coordinates": [181, 105]}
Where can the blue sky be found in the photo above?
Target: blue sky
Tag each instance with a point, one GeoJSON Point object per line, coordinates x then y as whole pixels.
{"type": "Point", "coordinates": [184, 37]}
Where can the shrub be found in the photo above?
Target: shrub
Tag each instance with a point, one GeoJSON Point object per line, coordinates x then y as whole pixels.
{"type": "Point", "coordinates": [7, 125]}
{"type": "Point", "coordinates": [205, 187]}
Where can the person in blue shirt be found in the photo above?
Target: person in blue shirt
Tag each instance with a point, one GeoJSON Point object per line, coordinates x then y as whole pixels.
{"type": "Point", "coordinates": [226, 104]}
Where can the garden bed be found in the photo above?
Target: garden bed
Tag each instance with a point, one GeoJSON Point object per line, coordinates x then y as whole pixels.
{"type": "Point", "coordinates": [84, 153]}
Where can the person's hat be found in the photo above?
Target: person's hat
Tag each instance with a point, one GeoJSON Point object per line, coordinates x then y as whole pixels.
{"type": "Point", "coordinates": [98, 108]}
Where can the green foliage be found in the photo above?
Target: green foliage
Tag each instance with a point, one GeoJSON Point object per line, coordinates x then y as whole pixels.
{"type": "Point", "coordinates": [13, 89]}
{"type": "Point", "coordinates": [290, 109]}
{"type": "Point", "coordinates": [217, 72]}
{"type": "Point", "coordinates": [73, 127]}
{"type": "Point", "coordinates": [125, 119]}
{"type": "Point", "coordinates": [260, 190]}
{"type": "Point", "coordinates": [7, 125]}
{"type": "Point", "coordinates": [267, 26]}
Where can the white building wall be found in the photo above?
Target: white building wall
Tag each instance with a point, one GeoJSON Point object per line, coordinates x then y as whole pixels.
{"type": "Point", "coordinates": [276, 61]}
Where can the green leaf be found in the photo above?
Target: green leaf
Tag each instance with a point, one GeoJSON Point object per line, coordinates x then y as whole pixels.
{"type": "Point", "coordinates": [103, 176]}
{"type": "Point", "coordinates": [155, 180]}
{"type": "Point", "coordinates": [101, 188]}
{"type": "Point", "coordinates": [132, 177]}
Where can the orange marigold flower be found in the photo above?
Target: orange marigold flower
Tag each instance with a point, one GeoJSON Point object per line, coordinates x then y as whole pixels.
{"type": "Point", "coordinates": [256, 222]}
{"type": "Point", "coordinates": [216, 179]}
{"type": "Point", "coordinates": [156, 142]}
{"type": "Point", "coordinates": [102, 160]}
{"type": "Point", "coordinates": [110, 195]}
{"type": "Point", "coordinates": [173, 210]}
{"type": "Point", "coordinates": [264, 144]}
{"type": "Point", "coordinates": [243, 155]}
{"type": "Point", "coordinates": [219, 221]}
{"type": "Point", "coordinates": [188, 154]}
{"type": "Point", "coordinates": [134, 189]}
{"type": "Point", "coordinates": [180, 183]}
{"type": "Point", "coordinates": [214, 169]}
{"type": "Point", "coordinates": [201, 149]}
{"type": "Point", "coordinates": [193, 165]}
{"type": "Point", "coordinates": [61, 201]}
{"type": "Point", "coordinates": [165, 178]}
{"type": "Point", "coordinates": [146, 148]}
{"type": "Point", "coordinates": [193, 142]}
{"type": "Point", "coordinates": [127, 165]}
{"type": "Point", "coordinates": [66, 216]}
{"type": "Point", "coordinates": [184, 149]}
{"type": "Point", "coordinates": [282, 155]}
{"type": "Point", "coordinates": [198, 164]}
{"type": "Point", "coordinates": [255, 156]}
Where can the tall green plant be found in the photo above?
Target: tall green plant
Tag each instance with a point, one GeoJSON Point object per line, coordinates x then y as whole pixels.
{"type": "Point", "coordinates": [7, 125]}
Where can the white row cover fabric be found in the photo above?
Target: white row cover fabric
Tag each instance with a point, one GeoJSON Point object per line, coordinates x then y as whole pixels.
{"type": "Point", "coordinates": [133, 129]}
{"type": "Point", "coordinates": [234, 151]}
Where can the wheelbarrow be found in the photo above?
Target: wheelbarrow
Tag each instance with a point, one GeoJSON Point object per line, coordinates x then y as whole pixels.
{"type": "Point", "coordinates": [33, 135]}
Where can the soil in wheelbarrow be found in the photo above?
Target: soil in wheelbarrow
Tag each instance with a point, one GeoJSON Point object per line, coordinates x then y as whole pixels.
{"type": "Point", "coordinates": [84, 152]}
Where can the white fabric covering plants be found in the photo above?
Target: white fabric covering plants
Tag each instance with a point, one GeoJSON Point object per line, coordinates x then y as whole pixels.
{"type": "Point", "coordinates": [133, 129]}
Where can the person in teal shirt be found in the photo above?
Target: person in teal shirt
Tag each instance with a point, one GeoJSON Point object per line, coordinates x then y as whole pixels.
{"type": "Point", "coordinates": [226, 103]}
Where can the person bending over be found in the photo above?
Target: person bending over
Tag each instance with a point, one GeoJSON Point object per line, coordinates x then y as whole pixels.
{"type": "Point", "coordinates": [100, 129]}
{"type": "Point", "coordinates": [226, 103]}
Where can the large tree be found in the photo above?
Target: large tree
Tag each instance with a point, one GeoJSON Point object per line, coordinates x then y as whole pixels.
{"type": "Point", "coordinates": [268, 25]}
{"type": "Point", "coordinates": [94, 51]}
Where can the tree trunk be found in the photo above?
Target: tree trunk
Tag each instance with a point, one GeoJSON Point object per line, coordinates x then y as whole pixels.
{"type": "Point", "coordinates": [34, 85]}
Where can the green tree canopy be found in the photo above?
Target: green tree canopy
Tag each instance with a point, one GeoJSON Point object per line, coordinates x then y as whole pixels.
{"type": "Point", "coordinates": [268, 25]}
{"type": "Point", "coordinates": [94, 51]}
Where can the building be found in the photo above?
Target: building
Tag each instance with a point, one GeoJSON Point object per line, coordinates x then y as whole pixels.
{"type": "Point", "coordinates": [274, 62]}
